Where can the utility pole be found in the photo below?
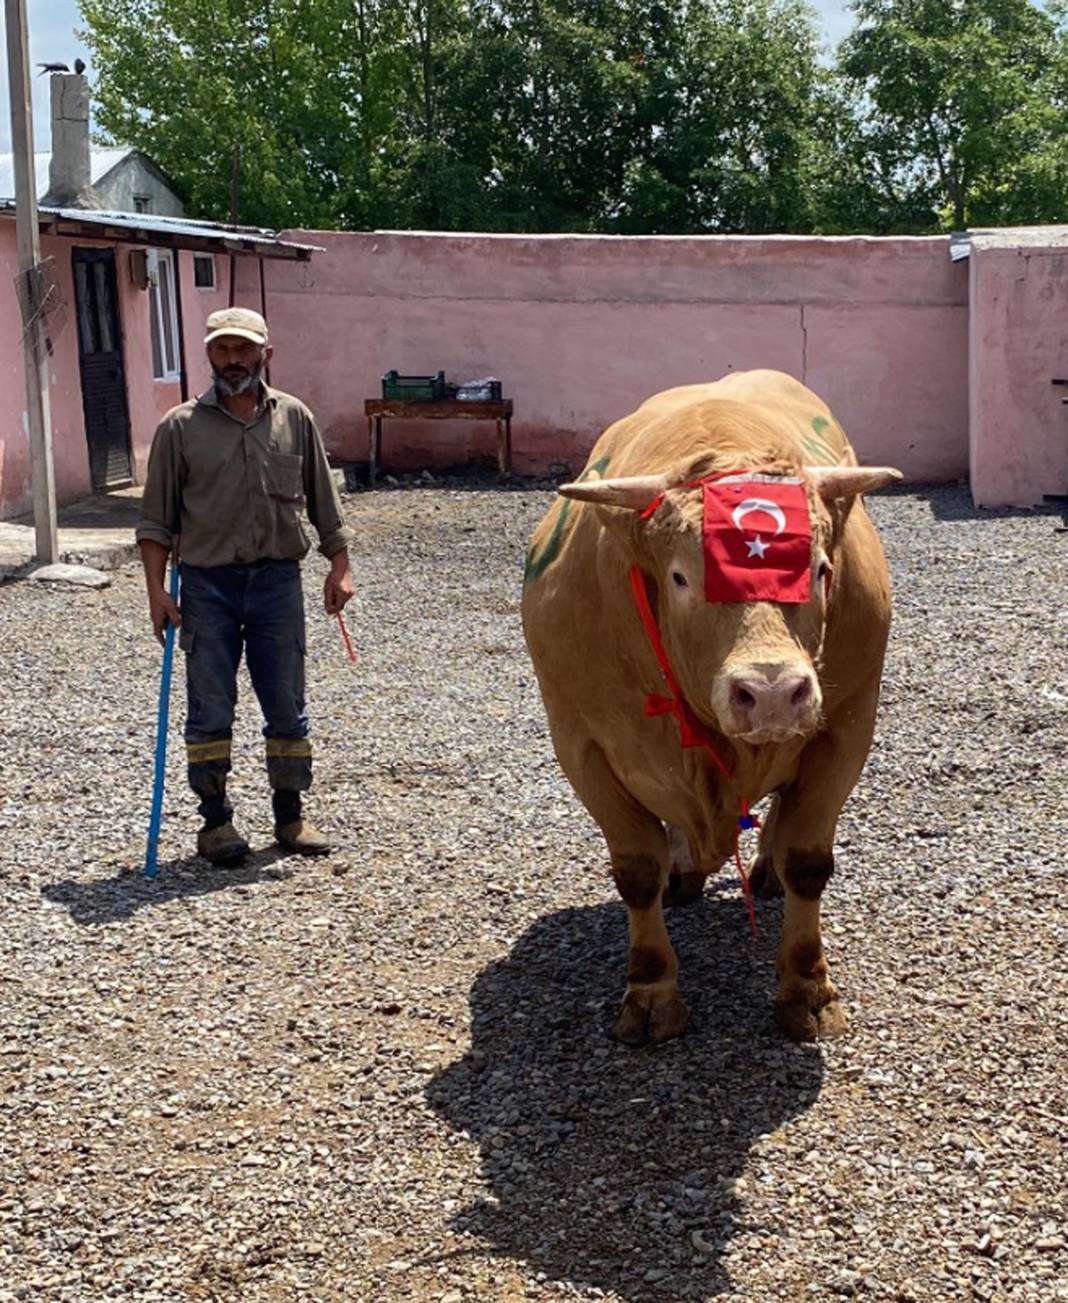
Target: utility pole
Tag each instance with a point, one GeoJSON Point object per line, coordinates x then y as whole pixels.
{"type": "Point", "coordinates": [29, 245]}
{"type": "Point", "coordinates": [235, 188]}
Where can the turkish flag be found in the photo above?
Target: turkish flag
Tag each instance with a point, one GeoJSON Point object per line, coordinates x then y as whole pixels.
{"type": "Point", "coordinates": [757, 539]}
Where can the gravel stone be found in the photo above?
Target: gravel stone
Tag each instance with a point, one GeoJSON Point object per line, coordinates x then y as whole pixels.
{"type": "Point", "coordinates": [387, 1076]}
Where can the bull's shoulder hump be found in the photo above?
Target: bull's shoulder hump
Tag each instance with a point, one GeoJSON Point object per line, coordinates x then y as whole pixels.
{"type": "Point", "coordinates": [672, 425]}
{"type": "Point", "coordinates": [765, 386]}
{"type": "Point", "coordinates": [761, 388]}
{"type": "Point", "coordinates": [801, 414]}
{"type": "Point", "coordinates": [759, 383]}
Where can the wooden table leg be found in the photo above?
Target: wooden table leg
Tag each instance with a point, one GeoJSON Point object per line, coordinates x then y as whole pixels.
{"type": "Point", "coordinates": [508, 444]}
{"type": "Point", "coordinates": [501, 459]}
{"type": "Point", "coordinates": [374, 444]}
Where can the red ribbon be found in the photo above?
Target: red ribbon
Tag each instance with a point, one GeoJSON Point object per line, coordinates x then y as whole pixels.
{"type": "Point", "coordinates": [692, 732]}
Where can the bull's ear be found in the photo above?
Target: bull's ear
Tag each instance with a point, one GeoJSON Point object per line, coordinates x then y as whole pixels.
{"type": "Point", "coordinates": [847, 481]}
{"type": "Point", "coordinates": [635, 491]}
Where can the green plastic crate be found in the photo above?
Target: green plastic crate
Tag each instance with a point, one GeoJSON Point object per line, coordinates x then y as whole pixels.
{"type": "Point", "coordinates": [395, 385]}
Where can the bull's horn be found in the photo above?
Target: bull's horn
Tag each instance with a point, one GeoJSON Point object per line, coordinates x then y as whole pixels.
{"type": "Point", "coordinates": [634, 491]}
{"type": "Point", "coordinates": [848, 481]}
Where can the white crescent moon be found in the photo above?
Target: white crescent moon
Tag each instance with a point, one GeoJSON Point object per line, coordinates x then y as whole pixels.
{"type": "Point", "coordinates": [759, 504]}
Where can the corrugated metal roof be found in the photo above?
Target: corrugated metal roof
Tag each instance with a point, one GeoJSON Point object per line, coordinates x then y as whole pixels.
{"type": "Point", "coordinates": [165, 232]}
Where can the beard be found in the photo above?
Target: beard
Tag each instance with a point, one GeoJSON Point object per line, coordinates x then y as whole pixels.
{"type": "Point", "coordinates": [233, 380]}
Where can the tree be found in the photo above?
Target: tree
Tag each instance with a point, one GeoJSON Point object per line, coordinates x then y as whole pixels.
{"type": "Point", "coordinates": [854, 178]}
{"type": "Point", "coordinates": [728, 120]}
{"type": "Point", "coordinates": [525, 115]}
{"type": "Point", "coordinates": [300, 85]}
{"type": "Point", "coordinates": [539, 112]}
{"type": "Point", "coordinates": [959, 102]}
{"type": "Point", "coordinates": [644, 115]}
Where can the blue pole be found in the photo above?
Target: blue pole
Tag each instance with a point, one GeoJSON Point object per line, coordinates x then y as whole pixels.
{"type": "Point", "coordinates": [151, 866]}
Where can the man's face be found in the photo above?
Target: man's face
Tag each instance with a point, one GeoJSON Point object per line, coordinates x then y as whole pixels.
{"type": "Point", "coordinates": [237, 363]}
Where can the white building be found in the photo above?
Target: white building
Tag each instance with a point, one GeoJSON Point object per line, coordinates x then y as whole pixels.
{"type": "Point", "coordinates": [124, 179]}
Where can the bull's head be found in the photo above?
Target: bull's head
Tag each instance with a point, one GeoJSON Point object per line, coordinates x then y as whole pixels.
{"type": "Point", "coordinates": [750, 669]}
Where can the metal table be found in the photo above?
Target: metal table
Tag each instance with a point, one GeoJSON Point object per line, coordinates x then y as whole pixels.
{"type": "Point", "coordinates": [443, 409]}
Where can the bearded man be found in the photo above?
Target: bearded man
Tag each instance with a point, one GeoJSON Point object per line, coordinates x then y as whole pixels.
{"type": "Point", "coordinates": [228, 476]}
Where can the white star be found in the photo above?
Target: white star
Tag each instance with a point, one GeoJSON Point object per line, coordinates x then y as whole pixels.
{"type": "Point", "coordinates": [757, 547]}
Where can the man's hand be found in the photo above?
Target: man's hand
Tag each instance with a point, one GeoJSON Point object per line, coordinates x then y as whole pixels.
{"type": "Point", "coordinates": [164, 610]}
{"type": "Point", "coordinates": [338, 587]}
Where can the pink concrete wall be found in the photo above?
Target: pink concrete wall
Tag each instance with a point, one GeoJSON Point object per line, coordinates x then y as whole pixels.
{"type": "Point", "coordinates": [148, 398]}
{"type": "Point", "coordinates": [197, 306]}
{"type": "Point", "coordinates": [1019, 343]}
{"type": "Point", "coordinates": [14, 440]}
{"type": "Point", "coordinates": [582, 329]}
{"type": "Point", "coordinates": [70, 454]}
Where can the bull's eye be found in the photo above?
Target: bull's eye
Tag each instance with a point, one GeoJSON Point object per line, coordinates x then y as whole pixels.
{"type": "Point", "coordinates": [679, 578]}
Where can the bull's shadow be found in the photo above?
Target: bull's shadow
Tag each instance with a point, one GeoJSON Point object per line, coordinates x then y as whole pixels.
{"type": "Point", "coordinates": [611, 1166]}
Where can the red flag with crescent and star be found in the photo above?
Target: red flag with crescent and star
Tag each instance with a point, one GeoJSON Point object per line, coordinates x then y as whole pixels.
{"type": "Point", "coordinates": [757, 539]}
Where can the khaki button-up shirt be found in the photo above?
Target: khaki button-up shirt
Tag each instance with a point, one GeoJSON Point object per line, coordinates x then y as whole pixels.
{"type": "Point", "coordinates": [234, 491]}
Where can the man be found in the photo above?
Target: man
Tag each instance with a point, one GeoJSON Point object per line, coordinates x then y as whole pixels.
{"type": "Point", "coordinates": [227, 477]}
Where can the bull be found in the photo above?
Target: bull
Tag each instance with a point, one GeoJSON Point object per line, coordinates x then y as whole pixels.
{"type": "Point", "coordinates": [765, 694]}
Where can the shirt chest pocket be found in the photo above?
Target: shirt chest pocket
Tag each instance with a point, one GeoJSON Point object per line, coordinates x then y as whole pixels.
{"type": "Point", "coordinates": [284, 474]}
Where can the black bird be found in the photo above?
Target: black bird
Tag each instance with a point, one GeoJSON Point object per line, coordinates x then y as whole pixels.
{"type": "Point", "coordinates": [79, 66]}
{"type": "Point", "coordinates": [52, 67]}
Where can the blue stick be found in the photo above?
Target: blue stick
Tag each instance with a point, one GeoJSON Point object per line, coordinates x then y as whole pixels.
{"type": "Point", "coordinates": [151, 866]}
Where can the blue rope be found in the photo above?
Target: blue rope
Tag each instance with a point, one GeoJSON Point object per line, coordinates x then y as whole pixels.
{"type": "Point", "coordinates": [151, 865]}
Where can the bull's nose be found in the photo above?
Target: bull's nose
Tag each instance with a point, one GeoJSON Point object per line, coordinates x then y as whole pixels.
{"type": "Point", "coordinates": [749, 693]}
{"type": "Point", "coordinates": [769, 700]}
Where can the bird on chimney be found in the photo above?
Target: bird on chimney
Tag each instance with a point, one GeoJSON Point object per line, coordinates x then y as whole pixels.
{"type": "Point", "coordinates": [79, 66]}
{"type": "Point", "coordinates": [52, 67]}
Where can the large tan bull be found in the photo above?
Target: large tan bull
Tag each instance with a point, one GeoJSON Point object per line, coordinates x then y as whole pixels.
{"type": "Point", "coordinates": [786, 693]}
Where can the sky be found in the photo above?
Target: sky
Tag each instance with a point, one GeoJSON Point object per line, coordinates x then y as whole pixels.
{"type": "Point", "coordinates": [52, 24]}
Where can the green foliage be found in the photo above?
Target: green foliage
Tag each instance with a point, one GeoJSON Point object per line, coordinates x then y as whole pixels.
{"type": "Point", "coordinates": [855, 179]}
{"type": "Point", "coordinates": [665, 116]}
{"type": "Point", "coordinates": [312, 91]}
{"type": "Point", "coordinates": [962, 103]}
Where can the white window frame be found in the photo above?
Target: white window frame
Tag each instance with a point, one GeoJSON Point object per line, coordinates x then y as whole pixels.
{"type": "Point", "coordinates": [209, 258]}
{"type": "Point", "coordinates": [166, 359]}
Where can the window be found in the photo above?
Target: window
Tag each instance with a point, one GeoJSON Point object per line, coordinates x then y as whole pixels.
{"type": "Point", "coordinates": [204, 271]}
{"type": "Point", "coordinates": [164, 315]}
{"type": "Point", "coordinates": [96, 307]}
{"type": "Point", "coordinates": [142, 203]}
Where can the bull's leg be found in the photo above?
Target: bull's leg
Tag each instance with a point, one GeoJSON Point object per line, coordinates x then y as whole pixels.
{"type": "Point", "coordinates": [685, 881]}
{"type": "Point", "coordinates": [806, 1003]}
{"type": "Point", "coordinates": [763, 880]}
{"type": "Point", "coordinates": [807, 1006]}
{"type": "Point", "coordinates": [652, 1008]}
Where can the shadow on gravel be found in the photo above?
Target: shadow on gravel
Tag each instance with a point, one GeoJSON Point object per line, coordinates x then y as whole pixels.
{"type": "Point", "coordinates": [954, 502]}
{"type": "Point", "coordinates": [111, 900]}
{"type": "Point", "coordinates": [610, 1166]}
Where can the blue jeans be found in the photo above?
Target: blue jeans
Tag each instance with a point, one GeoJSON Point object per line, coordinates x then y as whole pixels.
{"type": "Point", "coordinates": [257, 608]}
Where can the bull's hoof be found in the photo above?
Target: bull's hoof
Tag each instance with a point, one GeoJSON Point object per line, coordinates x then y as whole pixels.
{"type": "Point", "coordinates": [803, 1021]}
{"type": "Point", "coordinates": [646, 1018]}
{"type": "Point", "coordinates": [683, 888]}
{"type": "Point", "coordinates": [763, 880]}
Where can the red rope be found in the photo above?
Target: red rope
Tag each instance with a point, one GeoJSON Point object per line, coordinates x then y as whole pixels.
{"type": "Point", "coordinates": [345, 634]}
{"type": "Point", "coordinates": [693, 733]}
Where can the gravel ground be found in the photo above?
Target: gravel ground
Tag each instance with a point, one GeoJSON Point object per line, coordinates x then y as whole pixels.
{"type": "Point", "coordinates": [387, 1076]}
